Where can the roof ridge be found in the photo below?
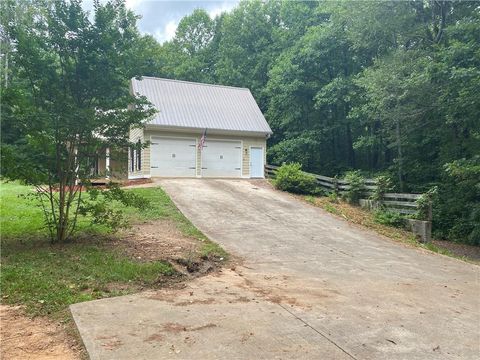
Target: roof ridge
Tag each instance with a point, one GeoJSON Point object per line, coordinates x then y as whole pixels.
{"type": "Point", "coordinates": [192, 82]}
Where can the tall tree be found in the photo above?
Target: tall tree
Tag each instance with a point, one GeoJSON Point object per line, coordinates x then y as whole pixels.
{"type": "Point", "coordinates": [74, 101]}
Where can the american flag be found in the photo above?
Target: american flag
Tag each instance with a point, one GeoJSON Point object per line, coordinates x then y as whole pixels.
{"type": "Point", "coordinates": [201, 144]}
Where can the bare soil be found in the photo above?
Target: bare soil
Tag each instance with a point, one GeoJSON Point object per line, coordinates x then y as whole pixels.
{"type": "Point", "coordinates": [161, 240]}
{"type": "Point", "coordinates": [469, 252]}
{"type": "Point", "coordinates": [34, 339]}
{"type": "Point", "coordinates": [157, 240]}
{"type": "Point", "coordinates": [42, 339]}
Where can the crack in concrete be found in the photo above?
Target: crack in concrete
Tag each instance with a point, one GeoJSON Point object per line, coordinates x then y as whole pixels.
{"type": "Point", "coordinates": [318, 332]}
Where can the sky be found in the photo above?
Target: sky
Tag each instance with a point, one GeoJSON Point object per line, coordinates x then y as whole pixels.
{"type": "Point", "coordinates": [160, 17]}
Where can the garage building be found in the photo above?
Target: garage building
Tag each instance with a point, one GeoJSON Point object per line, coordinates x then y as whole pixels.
{"type": "Point", "coordinates": [199, 130]}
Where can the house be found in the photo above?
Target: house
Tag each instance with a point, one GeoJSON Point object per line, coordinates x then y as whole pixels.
{"type": "Point", "coordinates": [200, 130]}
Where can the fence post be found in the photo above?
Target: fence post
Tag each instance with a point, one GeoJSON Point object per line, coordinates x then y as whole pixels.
{"type": "Point", "coordinates": [335, 185]}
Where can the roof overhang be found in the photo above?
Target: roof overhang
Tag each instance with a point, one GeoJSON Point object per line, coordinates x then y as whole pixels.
{"type": "Point", "coordinates": [181, 129]}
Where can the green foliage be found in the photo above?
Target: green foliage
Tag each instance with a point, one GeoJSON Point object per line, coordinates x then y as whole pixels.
{"type": "Point", "coordinates": [68, 99]}
{"type": "Point", "coordinates": [290, 177]}
{"type": "Point", "coordinates": [213, 251]}
{"type": "Point", "coordinates": [331, 209]}
{"type": "Point", "coordinates": [389, 218]}
{"type": "Point", "coordinates": [387, 87]}
{"type": "Point", "coordinates": [102, 206]}
{"type": "Point", "coordinates": [356, 187]}
{"type": "Point", "coordinates": [47, 279]}
{"type": "Point", "coordinates": [333, 197]}
{"type": "Point", "coordinates": [456, 212]}
{"type": "Point", "coordinates": [384, 185]}
{"type": "Point", "coordinates": [424, 203]}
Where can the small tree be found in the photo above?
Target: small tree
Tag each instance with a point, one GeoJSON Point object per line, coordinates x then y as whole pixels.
{"type": "Point", "coordinates": [384, 184]}
{"type": "Point", "coordinates": [290, 177]}
{"type": "Point", "coordinates": [69, 99]}
{"type": "Point", "coordinates": [356, 186]}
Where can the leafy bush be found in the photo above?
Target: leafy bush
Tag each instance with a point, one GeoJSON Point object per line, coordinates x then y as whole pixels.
{"type": "Point", "coordinates": [356, 188]}
{"type": "Point", "coordinates": [388, 218]}
{"type": "Point", "coordinates": [384, 185]}
{"type": "Point", "coordinates": [424, 203]}
{"type": "Point", "coordinates": [291, 178]}
{"type": "Point", "coordinates": [456, 208]}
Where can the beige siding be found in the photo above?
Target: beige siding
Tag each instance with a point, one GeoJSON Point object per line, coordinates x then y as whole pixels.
{"type": "Point", "coordinates": [247, 142]}
{"type": "Point", "coordinates": [135, 135]}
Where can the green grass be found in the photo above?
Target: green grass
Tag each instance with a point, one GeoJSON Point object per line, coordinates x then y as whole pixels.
{"type": "Point", "coordinates": [161, 207]}
{"type": "Point", "coordinates": [47, 278]}
{"type": "Point", "coordinates": [19, 219]}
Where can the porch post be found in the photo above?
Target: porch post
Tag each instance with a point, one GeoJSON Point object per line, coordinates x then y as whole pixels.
{"type": "Point", "coordinates": [107, 162]}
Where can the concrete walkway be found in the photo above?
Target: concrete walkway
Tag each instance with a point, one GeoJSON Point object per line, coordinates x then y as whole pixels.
{"type": "Point", "coordinates": [311, 287]}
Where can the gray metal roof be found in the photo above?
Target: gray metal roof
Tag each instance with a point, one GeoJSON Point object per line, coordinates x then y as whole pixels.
{"type": "Point", "coordinates": [196, 105]}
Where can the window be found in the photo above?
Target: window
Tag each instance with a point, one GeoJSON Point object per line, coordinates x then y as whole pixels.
{"type": "Point", "coordinates": [132, 159]}
{"type": "Point", "coordinates": [139, 155]}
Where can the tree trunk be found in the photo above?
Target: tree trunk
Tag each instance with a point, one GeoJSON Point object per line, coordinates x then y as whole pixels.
{"type": "Point", "coordinates": [400, 156]}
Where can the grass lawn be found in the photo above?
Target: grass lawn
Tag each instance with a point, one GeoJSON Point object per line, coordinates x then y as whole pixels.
{"type": "Point", "coordinates": [47, 278]}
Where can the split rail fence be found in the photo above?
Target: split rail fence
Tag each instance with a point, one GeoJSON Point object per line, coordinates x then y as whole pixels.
{"type": "Point", "coordinates": [396, 202]}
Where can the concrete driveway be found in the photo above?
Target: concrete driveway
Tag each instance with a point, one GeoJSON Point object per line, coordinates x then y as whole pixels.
{"type": "Point", "coordinates": [311, 286]}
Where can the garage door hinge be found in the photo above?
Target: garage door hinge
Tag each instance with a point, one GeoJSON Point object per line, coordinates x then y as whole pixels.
{"type": "Point", "coordinates": [237, 168]}
{"type": "Point", "coordinates": [238, 147]}
{"type": "Point", "coordinates": [153, 167]}
{"type": "Point", "coordinates": [154, 143]}
{"type": "Point", "coordinates": [192, 145]}
{"type": "Point", "coordinates": [204, 168]}
{"type": "Point", "coordinates": [192, 167]}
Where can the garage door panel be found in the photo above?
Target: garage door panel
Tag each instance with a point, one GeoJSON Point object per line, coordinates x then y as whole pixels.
{"type": "Point", "coordinates": [222, 159]}
{"type": "Point", "coordinates": [173, 157]}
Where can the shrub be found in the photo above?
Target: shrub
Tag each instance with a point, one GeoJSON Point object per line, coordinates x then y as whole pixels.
{"type": "Point", "coordinates": [291, 178]}
{"type": "Point", "coordinates": [356, 188]}
{"type": "Point", "coordinates": [424, 203]}
{"type": "Point", "coordinates": [388, 218]}
{"type": "Point", "coordinates": [384, 184]}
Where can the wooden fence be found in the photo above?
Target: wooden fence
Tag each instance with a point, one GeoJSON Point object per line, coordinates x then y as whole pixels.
{"type": "Point", "coordinates": [396, 202]}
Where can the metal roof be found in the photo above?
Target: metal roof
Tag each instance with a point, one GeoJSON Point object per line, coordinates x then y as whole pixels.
{"type": "Point", "coordinates": [195, 105]}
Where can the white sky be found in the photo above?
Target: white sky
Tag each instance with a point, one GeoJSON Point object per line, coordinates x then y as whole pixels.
{"type": "Point", "coordinates": [160, 18]}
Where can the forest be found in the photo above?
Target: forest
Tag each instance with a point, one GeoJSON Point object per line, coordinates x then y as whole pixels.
{"type": "Point", "coordinates": [388, 88]}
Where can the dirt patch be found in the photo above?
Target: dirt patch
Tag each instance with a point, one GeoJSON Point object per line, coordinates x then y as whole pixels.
{"type": "Point", "coordinates": [176, 327]}
{"type": "Point", "coordinates": [154, 338]}
{"type": "Point", "coordinates": [196, 302]}
{"type": "Point", "coordinates": [157, 240]}
{"type": "Point", "coordinates": [470, 252]}
{"type": "Point", "coordinates": [109, 342]}
{"type": "Point", "coordinates": [261, 183]}
{"type": "Point", "coordinates": [161, 240]}
{"type": "Point", "coordinates": [37, 339]}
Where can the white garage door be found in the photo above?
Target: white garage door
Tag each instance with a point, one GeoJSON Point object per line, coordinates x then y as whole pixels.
{"type": "Point", "coordinates": [222, 158]}
{"type": "Point", "coordinates": [172, 157]}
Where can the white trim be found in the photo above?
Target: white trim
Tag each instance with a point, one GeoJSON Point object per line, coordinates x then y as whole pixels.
{"type": "Point", "coordinates": [241, 158]}
{"type": "Point", "coordinates": [107, 162]}
{"type": "Point", "coordinates": [134, 177]}
{"type": "Point", "coordinates": [200, 130]}
{"type": "Point", "coordinates": [250, 161]}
